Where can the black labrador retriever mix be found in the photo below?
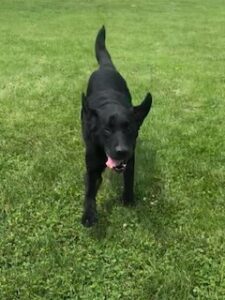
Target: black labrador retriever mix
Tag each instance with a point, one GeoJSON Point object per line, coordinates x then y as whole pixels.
{"type": "Point", "coordinates": [110, 127]}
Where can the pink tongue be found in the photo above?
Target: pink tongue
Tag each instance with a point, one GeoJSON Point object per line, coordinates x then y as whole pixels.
{"type": "Point", "coordinates": [111, 163]}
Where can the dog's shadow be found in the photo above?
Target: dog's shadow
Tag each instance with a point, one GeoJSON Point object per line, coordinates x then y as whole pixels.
{"type": "Point", "coordinates": [153, 210]}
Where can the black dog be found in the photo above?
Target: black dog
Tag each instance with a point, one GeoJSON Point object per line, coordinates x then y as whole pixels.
{"type": "Point", "coordinates": [110, 127]}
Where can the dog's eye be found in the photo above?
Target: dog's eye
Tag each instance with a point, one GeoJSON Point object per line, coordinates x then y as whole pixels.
{"type": "Point", "coordinates": [126, 126]}
{"type": "Point", "coordinates": [107, 131]}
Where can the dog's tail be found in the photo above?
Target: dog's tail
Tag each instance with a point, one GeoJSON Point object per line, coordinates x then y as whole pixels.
{"type": "Point", "coordinates": [102, 55]}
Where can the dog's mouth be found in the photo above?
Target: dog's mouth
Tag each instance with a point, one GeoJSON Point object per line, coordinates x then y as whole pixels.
{"type": "Point", "coordinates": [117, 165]}
{"type": "Point", "coordinates": [121, 167]}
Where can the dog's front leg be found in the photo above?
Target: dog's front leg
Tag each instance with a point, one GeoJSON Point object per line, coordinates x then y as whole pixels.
{"type": "Point", "coordinates": [128, 193]}
{"type": "Point", "coordinates": [95, 165]}
{"type": "Point", "coordinates": [93, 181]}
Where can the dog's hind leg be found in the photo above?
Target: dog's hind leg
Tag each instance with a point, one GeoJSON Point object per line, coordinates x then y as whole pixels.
{"type": "Point", "coordinates": [128, 176]}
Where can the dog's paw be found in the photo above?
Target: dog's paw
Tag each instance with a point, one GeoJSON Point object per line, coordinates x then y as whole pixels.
{"type": "Point", "coordinates": [89, 218]}
{"type": "Point", "coordinates": [128, 200]}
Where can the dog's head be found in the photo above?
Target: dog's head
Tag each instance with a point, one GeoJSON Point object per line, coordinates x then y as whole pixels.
{"type": "Point", "coordinates": [115, 127]}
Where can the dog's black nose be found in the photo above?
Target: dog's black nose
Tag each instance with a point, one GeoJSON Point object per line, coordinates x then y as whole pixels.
{"type": "Point", "coordinates": [121, 152]}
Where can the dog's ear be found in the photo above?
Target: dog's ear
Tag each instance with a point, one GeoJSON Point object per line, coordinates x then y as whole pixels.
{"type": "Point", "coordinates": [91, 114]}
{"type": "Point", "coordinates": [141, 111]}
{"type": "Point", "coordinates": [83, 102]}
{"type": "Point", "coordinates": [92, 120]}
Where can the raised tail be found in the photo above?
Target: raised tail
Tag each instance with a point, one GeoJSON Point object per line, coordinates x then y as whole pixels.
{"type": "Point", "coordinates": [102, 55]}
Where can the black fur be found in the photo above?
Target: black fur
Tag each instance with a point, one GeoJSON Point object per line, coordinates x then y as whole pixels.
{"type": "Point", "coordinates": [110, 127]}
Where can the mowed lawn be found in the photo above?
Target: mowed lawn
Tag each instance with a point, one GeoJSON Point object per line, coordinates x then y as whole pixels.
{"type": "Point", "coordinates": [171, 245]}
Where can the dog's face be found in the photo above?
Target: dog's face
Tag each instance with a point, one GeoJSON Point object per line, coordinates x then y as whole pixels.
{"type": "Point", "coordinates": [117, 132]}
{"type": "Point", "coordinates": [115, 127]}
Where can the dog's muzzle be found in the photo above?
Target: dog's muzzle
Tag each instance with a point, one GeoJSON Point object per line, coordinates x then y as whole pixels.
{"type": "Point", "coordinates": [121, 167]}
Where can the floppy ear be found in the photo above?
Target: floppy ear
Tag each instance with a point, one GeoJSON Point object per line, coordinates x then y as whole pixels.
{"type": "Point", "coordinates": [83, 102]}
{"type": "Point", "coordinates": [141, 111]}
{"type": "Point", "coordinates": [91, 115]}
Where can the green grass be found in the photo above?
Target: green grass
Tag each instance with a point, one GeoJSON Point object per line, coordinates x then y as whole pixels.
{"type": "Point", "coordinates": [172, 244]}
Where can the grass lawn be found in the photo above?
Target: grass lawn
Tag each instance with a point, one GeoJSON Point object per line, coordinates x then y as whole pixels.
{"type": "Point", "coordinates": [171, 245]}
